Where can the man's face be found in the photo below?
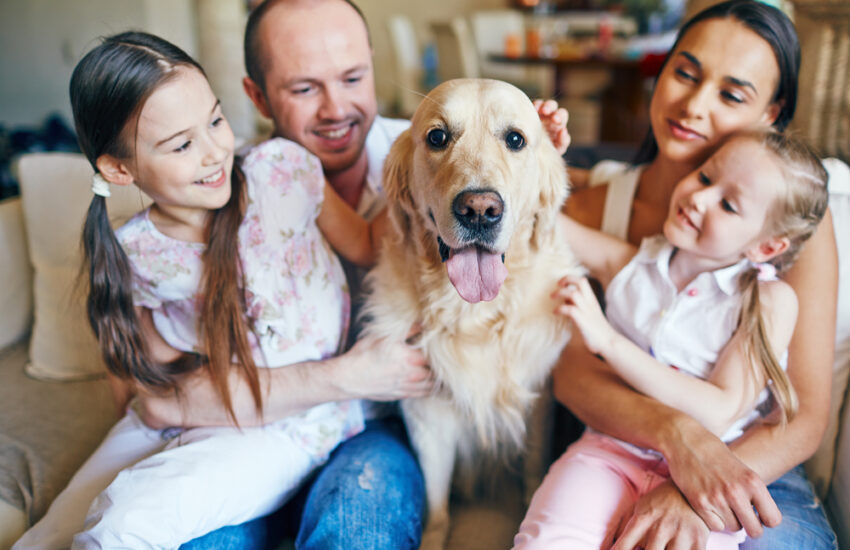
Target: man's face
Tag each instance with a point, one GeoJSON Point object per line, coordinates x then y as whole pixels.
{"type": "Point", "coordinates": [319, 87]}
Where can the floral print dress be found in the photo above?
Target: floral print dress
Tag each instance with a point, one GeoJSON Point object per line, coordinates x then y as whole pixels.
{"type": "Point", "coordinates": [297, 296]}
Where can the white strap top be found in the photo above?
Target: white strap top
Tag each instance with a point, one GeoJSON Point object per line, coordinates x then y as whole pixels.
{"type": "Point", "coordinates": [622, 179]}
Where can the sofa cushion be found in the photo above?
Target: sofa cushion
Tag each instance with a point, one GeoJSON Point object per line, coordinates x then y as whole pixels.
{"type": "Point", "coordinates": [16, 274]}
{"type": "Point", "coordinates": [56, 192]}
{"type": "Point", "coordinates": [838, 501]}
{"type": "Point", "coordinates": [821, 466]}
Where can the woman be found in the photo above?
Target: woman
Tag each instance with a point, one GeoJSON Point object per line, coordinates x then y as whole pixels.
{"type": "Point", "coordinates": [734, 66]}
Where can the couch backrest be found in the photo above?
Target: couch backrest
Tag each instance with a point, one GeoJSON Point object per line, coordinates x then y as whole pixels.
{"type": "Point", "coordinates": [56, 193]}
{"type": "Point", "coordinates": [15, 274]}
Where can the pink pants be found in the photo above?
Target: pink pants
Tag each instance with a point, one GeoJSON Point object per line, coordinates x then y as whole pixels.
{"type": "Point", "coordinates": [589, 491]}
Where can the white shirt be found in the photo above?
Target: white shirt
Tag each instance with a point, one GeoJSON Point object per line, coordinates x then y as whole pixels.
{"type": "Point", "coordinates": [686, 330]}
{"type": "Point", "coordinates": [381, 136]}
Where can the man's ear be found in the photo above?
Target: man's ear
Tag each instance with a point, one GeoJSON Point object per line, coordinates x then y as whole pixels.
{"type": "Point", "coordinates": [114, 170]}
{"type": "Point", "coordinates": [257, 96]}
{"type": "Point", "coordinates": [768, 249]}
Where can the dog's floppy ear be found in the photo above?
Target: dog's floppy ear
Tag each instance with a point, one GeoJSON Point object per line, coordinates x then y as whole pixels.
{"type": "Point", "coordinates": [554, 189]}
{"type": "Point", "coordinates": [396, 181]}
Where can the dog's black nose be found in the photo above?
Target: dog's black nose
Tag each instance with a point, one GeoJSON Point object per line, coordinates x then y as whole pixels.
{"type": "Point", "coordinates": [478, 210]}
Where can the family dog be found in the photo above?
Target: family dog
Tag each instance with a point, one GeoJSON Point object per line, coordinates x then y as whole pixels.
{"type": "Point", "coordinates": [475, 188]}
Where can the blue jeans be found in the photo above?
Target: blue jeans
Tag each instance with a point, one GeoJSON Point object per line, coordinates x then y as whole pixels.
{"type": "Point", "coordinates": [370, 495]}
{"type": "Point", "coordinates": [804, 524]}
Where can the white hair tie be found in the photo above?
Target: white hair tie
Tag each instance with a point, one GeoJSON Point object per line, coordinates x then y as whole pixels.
{"type": "Point", "coordinates": [100, 186]}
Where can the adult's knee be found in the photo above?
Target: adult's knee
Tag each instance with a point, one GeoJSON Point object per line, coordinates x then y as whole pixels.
{"type": "Point", "coordinates": [370, 495]}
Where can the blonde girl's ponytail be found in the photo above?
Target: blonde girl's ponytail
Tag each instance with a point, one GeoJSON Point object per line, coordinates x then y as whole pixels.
{"type": "Point", "coordinates": [760, 351]}
{"type": "Point", "coordinates": [799, 207]}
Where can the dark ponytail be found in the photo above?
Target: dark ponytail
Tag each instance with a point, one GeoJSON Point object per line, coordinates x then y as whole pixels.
{"type": "Point", "coordinates": [224, 332]}
{"type": "Point", "coordinates": [110, 307]}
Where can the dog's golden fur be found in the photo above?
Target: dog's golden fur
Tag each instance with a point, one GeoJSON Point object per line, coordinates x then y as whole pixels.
{"type": "Point", "coordinates": [490, 358]}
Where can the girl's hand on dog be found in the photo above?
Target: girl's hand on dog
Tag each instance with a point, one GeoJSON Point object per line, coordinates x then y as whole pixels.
{"type": "Point", "coordinates": [385, 371]}
{"type": "Point", "coordinates": [554, 121]}
{"type": "Point", "coordinates": [577, 301]}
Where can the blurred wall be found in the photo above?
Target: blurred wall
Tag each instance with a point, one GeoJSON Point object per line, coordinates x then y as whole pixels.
{"type": "Point", "coordinates": [421, 14]}
{"type": "Point", "coordinates": [42, 40]}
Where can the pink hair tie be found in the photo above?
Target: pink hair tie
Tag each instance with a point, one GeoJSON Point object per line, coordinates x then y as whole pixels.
{"type": "Point", "coordinates": [767, 271]}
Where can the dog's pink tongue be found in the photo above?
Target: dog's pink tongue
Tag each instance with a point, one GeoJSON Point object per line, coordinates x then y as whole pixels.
{"type": "Point", "coordinates": [477, 275]}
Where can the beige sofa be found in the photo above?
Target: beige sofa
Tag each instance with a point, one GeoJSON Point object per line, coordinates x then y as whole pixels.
{"type": "Point", "coordinates": [55, 407]}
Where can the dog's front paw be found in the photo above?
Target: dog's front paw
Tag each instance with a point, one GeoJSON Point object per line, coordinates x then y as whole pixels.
{"type": "Point", "coordinates": [435, 534]}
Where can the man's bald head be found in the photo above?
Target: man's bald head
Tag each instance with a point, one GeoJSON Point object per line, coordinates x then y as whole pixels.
{"type": "Point", "coordinates": [256, 58]}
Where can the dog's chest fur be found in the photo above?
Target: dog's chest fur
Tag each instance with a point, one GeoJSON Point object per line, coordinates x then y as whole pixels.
{"type": "Point", "coordinates": [489, 358]}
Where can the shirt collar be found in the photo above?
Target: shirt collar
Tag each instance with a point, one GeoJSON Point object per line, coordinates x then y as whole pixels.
{"type": "Point", "coordinates": [727, 277]}
{"type": "Point", "coordinates": [658, 250]}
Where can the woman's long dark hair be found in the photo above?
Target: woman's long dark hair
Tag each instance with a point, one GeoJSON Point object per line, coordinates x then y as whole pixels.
{"type": "Point", "coordinates": [108, 89]}
{"type": "Point", "coordinates": [776, 29]}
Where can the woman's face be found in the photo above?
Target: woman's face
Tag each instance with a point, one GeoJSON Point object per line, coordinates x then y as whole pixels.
{"type": "Point", "coordinates": [721, 78]}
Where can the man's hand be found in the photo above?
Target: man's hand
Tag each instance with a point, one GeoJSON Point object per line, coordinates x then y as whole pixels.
{"type": "Point", "coordinates": [554, 121]}
{"type": "Point", "coordinates": [379, 371]}
{"type": "Point", "coordinates": [662, 519]}
{"type": "Point", "coordinates": [384, 371]}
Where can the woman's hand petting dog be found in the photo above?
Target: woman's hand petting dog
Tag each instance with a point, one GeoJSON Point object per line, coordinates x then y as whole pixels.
{"type": "Point", "coordinates": [554, 121]}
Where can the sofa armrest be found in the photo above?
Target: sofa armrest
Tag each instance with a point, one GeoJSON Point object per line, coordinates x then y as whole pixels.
{"type": "Point", "coordinates": [15, 274]}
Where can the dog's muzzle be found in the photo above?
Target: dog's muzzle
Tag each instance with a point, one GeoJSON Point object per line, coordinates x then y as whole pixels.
{"type": "Point", "coordinates": [479, 213]}
{"type": "Point", "coordinates": [475, 269]}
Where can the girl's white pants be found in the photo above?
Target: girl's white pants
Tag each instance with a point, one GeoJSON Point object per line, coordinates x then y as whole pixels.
{"type": "Point", "coordinates": [140, 491]}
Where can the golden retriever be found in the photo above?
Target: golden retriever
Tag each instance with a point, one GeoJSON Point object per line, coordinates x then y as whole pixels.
{"type": "Point", "coordinates": [475, 188]}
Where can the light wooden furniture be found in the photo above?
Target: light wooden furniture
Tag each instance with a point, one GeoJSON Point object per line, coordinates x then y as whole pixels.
{"type": "Point", "coordinates": [823, 109]}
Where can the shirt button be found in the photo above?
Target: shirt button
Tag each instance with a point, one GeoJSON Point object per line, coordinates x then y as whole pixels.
{"type": "Point", "coordinates": [693, 292]}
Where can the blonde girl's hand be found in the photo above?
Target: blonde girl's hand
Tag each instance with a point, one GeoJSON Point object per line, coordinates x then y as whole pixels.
{"type": "Point", "coordinates": [554, 119]}
{"type": "Point", "coordinates": [577, 301]}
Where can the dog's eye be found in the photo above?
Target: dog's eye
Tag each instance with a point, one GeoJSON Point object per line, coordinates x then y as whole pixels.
{"type": "Point", "coordinates": [438, 138]}
{"type": "Point", "coordinates": [514, 141]}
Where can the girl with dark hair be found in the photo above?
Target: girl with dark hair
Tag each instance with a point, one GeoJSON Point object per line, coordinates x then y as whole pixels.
{"type": "Point", "coordinates": [734, 67]}
{"type": "Point", "coordinates": [733, 224]}
{"type": "Point", "coordinates": [226, 271]}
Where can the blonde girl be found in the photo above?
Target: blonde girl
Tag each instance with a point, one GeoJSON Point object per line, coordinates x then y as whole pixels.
{"type": "Point", "coordinates": [696, 319]}
{"type": "Point", "coordinates": [227, 271]}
